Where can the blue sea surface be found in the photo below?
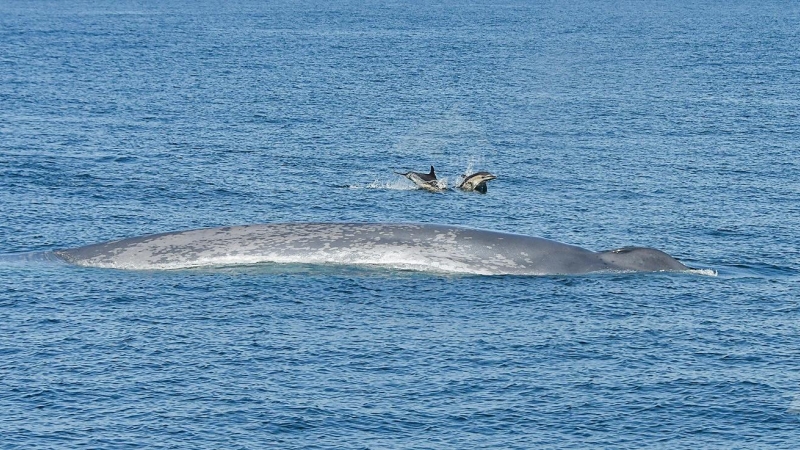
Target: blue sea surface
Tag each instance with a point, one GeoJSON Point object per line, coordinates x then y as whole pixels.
{"type": "Point", "coordinates": [666, 124]}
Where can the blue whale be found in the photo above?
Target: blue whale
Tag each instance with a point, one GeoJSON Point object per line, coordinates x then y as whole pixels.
{"type": "Point", "coordinates": [428, 247]}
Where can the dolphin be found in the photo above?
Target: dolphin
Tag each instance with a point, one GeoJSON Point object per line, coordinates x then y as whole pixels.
{"type": "Point", "coordinates": [476, 182]}
{"type": "Point", "coordinates": [427, 181]}
{"type": "Point", "coordinates": [410, 246]}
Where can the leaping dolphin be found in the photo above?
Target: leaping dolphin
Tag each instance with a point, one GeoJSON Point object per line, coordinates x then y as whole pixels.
{"type": "Point", "coordinates": [427, 181]}
{"type": "Point", "coordinates": [476, 182]}
{"type": "Point", "coordinates": [412, 246]}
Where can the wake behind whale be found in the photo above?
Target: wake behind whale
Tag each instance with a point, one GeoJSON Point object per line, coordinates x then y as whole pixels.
{"type": "Point", "coordinates": [427, 247]}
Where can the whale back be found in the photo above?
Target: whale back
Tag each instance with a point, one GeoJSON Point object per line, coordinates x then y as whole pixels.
{"type": "Point", "coordinates": [426, 247]}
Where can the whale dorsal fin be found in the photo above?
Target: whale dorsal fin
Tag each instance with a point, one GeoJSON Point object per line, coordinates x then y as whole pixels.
{"type": "Point", "coordinates": [641, 259]}
{"type": "Point", "coordinates": [433, 174]}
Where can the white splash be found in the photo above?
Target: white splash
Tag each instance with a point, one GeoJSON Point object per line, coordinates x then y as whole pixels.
{"type": "Point", "coordinates": [398, 184]}
{"type": "Point", "coordinates": [403, 184]}
{"type": "Point", "coordinates": [704, 272]}
{"type": "Point", "coordinates": [471, 164]}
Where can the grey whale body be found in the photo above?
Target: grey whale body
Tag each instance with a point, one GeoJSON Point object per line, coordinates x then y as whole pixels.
{"type": "Point", "coordinates": [400, 245]}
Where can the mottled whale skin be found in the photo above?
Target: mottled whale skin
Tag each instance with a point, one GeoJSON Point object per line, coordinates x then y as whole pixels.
{"type": "Point", "coordinates": [400, 245]}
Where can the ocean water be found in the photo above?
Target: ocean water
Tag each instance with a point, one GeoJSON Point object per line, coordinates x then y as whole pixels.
{"type": "Point", "coordinates": [673, 125]}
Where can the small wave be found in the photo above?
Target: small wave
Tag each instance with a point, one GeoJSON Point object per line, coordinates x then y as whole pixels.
{"type": "Point", "coordinates": [794, 407]}
{"type": "Point", "coordinates": [759, 270]}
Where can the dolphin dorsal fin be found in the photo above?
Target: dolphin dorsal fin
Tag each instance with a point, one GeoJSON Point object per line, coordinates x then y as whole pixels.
{"type": "Point", "coordinates": [433, 174]}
